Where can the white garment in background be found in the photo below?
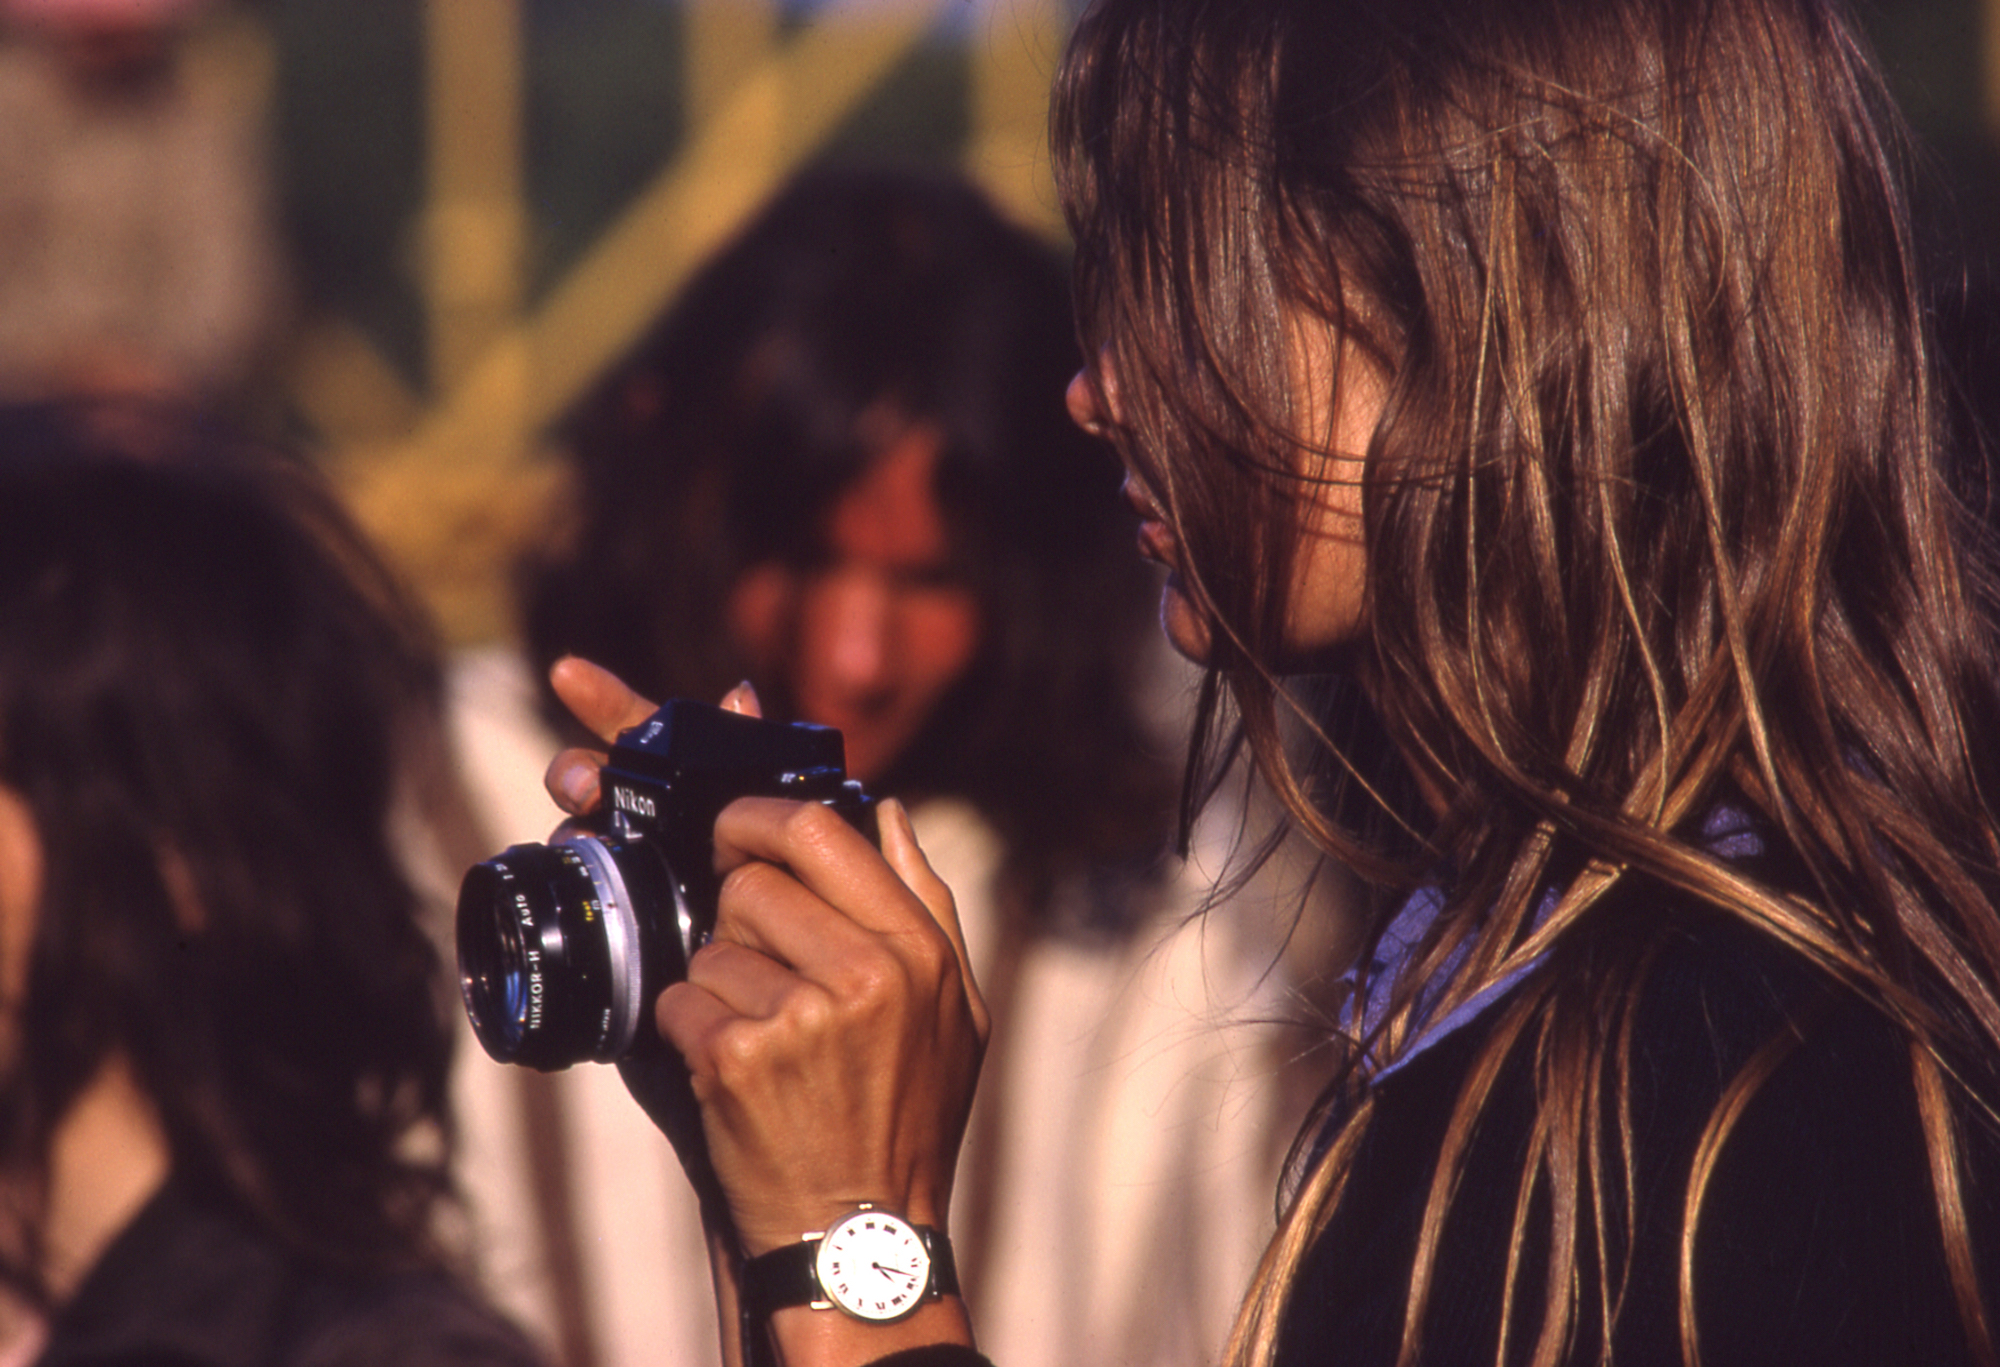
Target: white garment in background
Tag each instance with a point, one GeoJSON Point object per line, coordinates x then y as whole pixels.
{"type": "Point", "coordinates": [1136, 1154]}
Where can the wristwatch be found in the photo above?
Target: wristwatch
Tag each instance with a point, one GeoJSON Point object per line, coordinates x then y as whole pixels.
{"type": "Point", "coordinates": [873, 1265]}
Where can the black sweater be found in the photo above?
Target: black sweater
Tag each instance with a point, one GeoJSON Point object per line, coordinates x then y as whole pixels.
{"type": "Point", "coordinates": [185, 1285]}
{"type": "Point", "coordinates": [1818, 1241]}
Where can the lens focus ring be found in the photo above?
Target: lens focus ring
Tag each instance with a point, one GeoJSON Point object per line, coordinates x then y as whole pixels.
{"type": "Point", "coordinates": [543, 984]}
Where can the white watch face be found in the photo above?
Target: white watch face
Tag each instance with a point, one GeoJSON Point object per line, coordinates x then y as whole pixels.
{"type": "Point", "coordinates": [874, 1266]}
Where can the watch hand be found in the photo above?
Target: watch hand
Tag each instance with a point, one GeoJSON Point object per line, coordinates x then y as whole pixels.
{"type": "Point", "coordinates": [902, 1272]}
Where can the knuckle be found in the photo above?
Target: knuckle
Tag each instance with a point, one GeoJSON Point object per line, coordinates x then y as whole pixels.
{"type": "Point", "coordinates": [927, 957]}
{"type": "Point", "coordinates": [747, 1051]}
{"type": "Point", "coordinates": [811, 1013]}
{"type": "Point", "coordinates": [736, 1052]}
{"type": "Point", "coordinates": [872, 983]}
{"type": "Point", "coordinates": [933, 953]}
{"type": "Point", "coordinates": [880, 994]}
{"type": "Point", "coordinates": [814, 826]}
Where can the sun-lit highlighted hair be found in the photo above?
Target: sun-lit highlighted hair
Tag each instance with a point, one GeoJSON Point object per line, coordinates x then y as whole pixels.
{"type": "Point", "coordinates": [1661, 513]}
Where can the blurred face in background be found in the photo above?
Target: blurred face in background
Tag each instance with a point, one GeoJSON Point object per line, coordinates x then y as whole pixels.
{"type": "Point", "coordinates": [870, 633]}
{"type": "Point", "coordinates": [20, 900]}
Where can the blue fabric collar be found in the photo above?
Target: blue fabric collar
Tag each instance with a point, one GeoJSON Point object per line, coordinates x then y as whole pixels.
{"type": "Point", "coordinates": [1728, 832]}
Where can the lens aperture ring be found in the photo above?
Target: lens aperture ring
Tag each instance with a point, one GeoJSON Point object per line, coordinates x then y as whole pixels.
{"type": "Point", "coordinates": [624, 970]}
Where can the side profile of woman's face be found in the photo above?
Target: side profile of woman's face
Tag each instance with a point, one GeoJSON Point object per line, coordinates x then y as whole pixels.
{"type": "Point", "coordinates": [1326, 607]}
{"type": "Point", "coordinates": [870, 635]}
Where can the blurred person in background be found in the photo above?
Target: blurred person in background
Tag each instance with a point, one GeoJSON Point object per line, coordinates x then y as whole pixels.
{"type": "Point", "coordinates": [139, 251]}
{"type": "Point", "coordinates": [839, 467]}
{"type": "Point", "coordinates": [224, 1038]}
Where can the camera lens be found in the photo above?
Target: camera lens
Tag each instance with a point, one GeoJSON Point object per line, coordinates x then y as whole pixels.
{"type": "Point", "coordinates": [550, 957]}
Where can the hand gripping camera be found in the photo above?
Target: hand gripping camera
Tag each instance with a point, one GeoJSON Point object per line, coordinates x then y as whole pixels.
{"type": "Point", "coordinates": [563, 947]}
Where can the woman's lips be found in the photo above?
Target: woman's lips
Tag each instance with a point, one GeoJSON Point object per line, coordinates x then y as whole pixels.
{"type": "Point", "coordinates": [1156, 543]}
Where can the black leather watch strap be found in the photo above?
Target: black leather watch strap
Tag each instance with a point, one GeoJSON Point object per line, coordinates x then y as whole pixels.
{"type": "Point", "coordinates": [783, 1277]}
{"type": "Point", "coordinates": [789, 1276]}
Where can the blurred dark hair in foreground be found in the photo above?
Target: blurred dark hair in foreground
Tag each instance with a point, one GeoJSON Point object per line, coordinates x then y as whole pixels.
{"type": "Point", "coordinates": [207, 681]}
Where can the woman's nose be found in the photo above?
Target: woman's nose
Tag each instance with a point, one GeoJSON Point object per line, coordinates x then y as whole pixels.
{"type": "Point", "coordinates": [1086, 408]}
{"type": "Point", "coordinates": [851, 631]}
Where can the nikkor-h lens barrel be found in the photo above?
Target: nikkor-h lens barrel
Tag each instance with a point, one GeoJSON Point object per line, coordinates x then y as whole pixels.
{"type": "Point", "coordinates": [552, 962]}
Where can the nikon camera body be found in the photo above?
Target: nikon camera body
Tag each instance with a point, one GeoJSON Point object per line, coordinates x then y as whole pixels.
{"type": "Point", "coordinates": [563, 947]}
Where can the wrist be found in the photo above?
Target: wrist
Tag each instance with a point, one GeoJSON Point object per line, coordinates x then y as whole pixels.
{"type": "Point", "coordinates": [871, 1283]}
{"type": "Point", "coordinates": [804, 1337]}
{"type": "Point", "coordinates": [759, 1232]}
{"type": "Point", "coordinates": [871, 1264]}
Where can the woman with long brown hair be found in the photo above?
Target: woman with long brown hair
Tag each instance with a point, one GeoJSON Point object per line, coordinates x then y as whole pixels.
{"type": "Point", "coordinates": [1533, 403]}
{"type": "Point", "coordinates": [225, 1132]}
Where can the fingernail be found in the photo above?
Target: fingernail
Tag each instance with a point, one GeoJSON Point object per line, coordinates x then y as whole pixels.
{"type": "Point", "coordinates": [579, 785]}
{"type": "Point", "coordinates": [893, 809]}
{"type": "Point", "coordinates": [742, 698]}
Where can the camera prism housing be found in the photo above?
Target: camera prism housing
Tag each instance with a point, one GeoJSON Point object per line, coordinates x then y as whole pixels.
{"type": "Point", "coordinates": [563, 947]}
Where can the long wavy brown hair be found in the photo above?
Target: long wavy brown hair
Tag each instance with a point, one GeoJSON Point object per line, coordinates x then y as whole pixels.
{"type": "Point", "coordinates": [1661, 516]}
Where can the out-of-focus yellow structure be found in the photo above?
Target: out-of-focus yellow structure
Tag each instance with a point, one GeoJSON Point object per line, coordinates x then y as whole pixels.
{"type": "Point", "coordinates": [451, 479]}
{"type": "Point", "coordinates": [450, 472]}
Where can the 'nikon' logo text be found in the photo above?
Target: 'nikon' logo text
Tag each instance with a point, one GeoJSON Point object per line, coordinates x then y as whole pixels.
{"type": "Point", "coordinates": [626, 800]}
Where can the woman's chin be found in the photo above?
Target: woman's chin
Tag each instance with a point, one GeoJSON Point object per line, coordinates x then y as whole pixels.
{"type": "Point", "coordinates": [1187, 630]}
{"type": "Point", "coordinates": [1191, 634]}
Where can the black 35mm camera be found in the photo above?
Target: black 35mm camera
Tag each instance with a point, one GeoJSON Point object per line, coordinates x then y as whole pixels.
{"type": "Point", "coordinates": [563, 947]}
